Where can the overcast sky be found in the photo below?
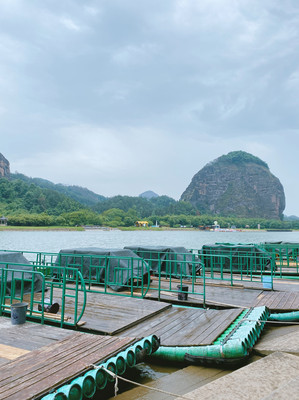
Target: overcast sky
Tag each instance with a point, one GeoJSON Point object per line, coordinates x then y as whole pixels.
{"type": "Point", "coordinates": [124, 96]}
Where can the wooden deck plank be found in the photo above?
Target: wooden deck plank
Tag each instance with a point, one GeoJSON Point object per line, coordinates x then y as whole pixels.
{"type": "Point", "coordinates": [211, 328]}
{"type": "Point", "coordinates": [39, 371]}
{"type": "Point", "coordinates": [286, 300]}
{"type": "Point", "coordinates": [181, 326]}
{"type": "Point", "coordinates": [60, 349]}
{"type": "Point", "coordinates": [111, 314]}
{"type": "Point", "coordinates": [29, 336]}
{"type": "Point", "coordinates": [223, 321]}
{"type": "Point", "coordinates": [188, 320]}
{"type": "Point", "coordinates": [239, 296]}
{"type": "Point", "coordinates": [150, 325]}
{"type": "Point", "coordinates": [279, 301]}
{"type": "Point", "coordinates": [186, 327]}
{"type": "Point", "coordinates": [11, 352]}
{"type": "Point", "coordinates": [294, 302]}
{"type": "Point", "coordinates": [171, 324]}
{"type": "Point", "coordinates": [189, 327]}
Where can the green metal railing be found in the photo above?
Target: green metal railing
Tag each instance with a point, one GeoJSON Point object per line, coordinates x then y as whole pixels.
{"type": "Point", "coordinates": [118, 273]}
{"type": "Point", "coordinates": [102, 273]}
{"type": "Point", "coordinates": [166, 273]}
{"type": "Point", "coordinates": [233, 266]}
{"type": "Point", "coordinates": [286, 257]}
{"type": "Point", "coordinates": [114, 275]}
{"type": "Point", "coordinates": [33, 287]}
{"type": "Point", "coordinates": [178, 273]}
{"type": "Point", "coordinates": [170, 272]}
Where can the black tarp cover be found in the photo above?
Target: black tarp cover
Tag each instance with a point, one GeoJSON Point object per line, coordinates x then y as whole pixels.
{"type": "Point", "coordinates": [176, 261]}
{"type": "Point", "coordinates": [243, 256]}
{"type": "Point", "coordinates": [118, 272]}
{"type": "Point", "coordinates": [8, 259]}
{"type": "Point", "coordinates": [283, 248]}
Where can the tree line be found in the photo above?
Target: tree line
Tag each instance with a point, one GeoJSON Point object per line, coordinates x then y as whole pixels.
{"type": "Point", "coordinates": [26, 204]}
{"type": "Point", "coordinates": [117, 218]}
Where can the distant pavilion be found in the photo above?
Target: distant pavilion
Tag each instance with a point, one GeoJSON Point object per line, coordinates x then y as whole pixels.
{"type": "Point", "coordinates": [3, 221]}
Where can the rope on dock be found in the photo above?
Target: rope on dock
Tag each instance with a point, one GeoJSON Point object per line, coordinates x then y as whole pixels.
{"type": "Point", "coordinates": [272, 322]}
{"type": "Point", "coordinates": [117, 377]}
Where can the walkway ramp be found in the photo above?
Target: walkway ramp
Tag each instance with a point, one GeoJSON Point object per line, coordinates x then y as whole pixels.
{"type": "Point", "coordinates": [179, 382]}
{"type": "Point", "coordinates": [279, 338]}
{"type": "Point", "coordinates": [262, 379]}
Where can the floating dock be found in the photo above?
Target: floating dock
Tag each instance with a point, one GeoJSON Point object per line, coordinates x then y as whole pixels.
{"type": "Point", "coordinates": [239, 295]}
{"type": "Point", "coordinates": [109, 314]}
{"type": "Point", "coordinates": [36, 359]}
{"type": "Point", "coordinates": [43, 370]}
{"type": "Point", "coordinates": [186, 327]}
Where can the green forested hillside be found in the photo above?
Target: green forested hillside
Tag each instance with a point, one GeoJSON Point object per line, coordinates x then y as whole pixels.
{"type": "Point", "coordinates": [18, 197]}
{"type": "Point", "coordinates": [161, 205]}
{"type": "Point", "coordinates": [77, 193]}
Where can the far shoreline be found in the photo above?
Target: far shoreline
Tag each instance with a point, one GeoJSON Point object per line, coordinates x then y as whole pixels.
{"type": "Point", "coordinates": [41, 228]}
{"type": "Point", "coordinates": [128, 229]}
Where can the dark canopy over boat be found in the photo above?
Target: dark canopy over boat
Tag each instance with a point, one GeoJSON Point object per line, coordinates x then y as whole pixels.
{"type": "Point", "coordinates": [15, 280]}
{"type": "Point", "coordinates": [115, 267]}
{"type": "Point", "coordinates": [174, 261]}
{"type": "Point", "coordinates": [236, 257]}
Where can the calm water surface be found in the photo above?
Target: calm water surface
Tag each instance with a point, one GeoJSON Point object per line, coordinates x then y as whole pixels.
{"type": "Point", "coordinates": [54, 241]}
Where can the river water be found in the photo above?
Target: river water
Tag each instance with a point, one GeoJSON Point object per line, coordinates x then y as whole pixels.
{"type": "Point", "coordinates": [54, 241]}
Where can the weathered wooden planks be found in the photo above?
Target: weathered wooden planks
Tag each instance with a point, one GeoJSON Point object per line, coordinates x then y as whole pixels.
{"type": "Point", "coordinates": [278, 301]}
{"type": "Point", "coordinates": [284, 300]}
{"type": "Point", "coordinates": [29, 336]}
{"type": "Point", "coordinates": [11, 352]}
{"type": "Point", "coordinates": [110, 315]}
{"type": "Point", "coordinates": [41, 370]}
{"type": "Point", "coordinates": [186, 327]}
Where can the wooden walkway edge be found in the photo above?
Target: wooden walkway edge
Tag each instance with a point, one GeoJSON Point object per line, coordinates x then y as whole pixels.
{"type": "Point", "coordinates": [40, 371]}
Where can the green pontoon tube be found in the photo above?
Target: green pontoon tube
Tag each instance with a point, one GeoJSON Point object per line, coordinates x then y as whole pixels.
{"type": "Point", "coordinates": [67, 392]}
{"type": "Point", "coordinates": [97, 378]}
{"type": "Point", "coordinates": [285, 317]}
{"type": "Point", "coordinates": [232, 346]}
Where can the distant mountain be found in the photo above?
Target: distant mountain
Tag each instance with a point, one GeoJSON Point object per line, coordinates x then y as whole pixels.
{"type": "Point", "coordinates": [237, 184]}
{"type": "Point", "coordinates": [77, 193]}
{"type": "Point", "coordinates": [290, 218]}
{"type": "Point", "coordinates": [149, 194]}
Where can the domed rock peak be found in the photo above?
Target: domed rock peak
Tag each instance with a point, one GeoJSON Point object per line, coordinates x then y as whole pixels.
{"type": "Point", "coordinates": [237, 184]}
{"type": "Point", "coordinates": [4, 167]}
